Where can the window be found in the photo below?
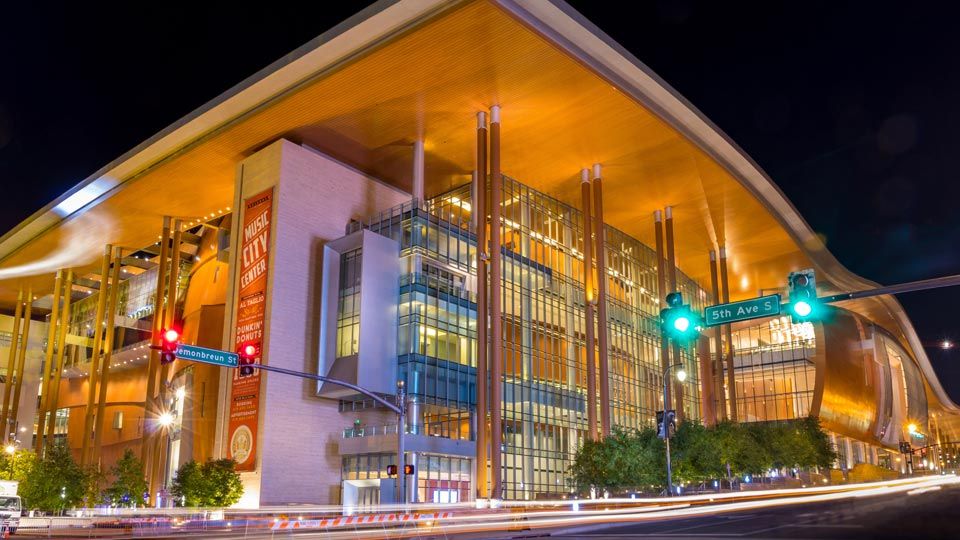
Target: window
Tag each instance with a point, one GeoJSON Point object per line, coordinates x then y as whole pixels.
{"type": "Point", "coordinates": [348, 304]}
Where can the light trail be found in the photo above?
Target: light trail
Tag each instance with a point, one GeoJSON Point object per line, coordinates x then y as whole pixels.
{"type": "Point", "coordinates": [560, 519]}
{"type": "Point", "coordinates": [519, 515]}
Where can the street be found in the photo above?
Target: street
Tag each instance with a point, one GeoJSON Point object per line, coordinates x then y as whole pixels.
{"type": "Point", "coordinates": [925, 515]}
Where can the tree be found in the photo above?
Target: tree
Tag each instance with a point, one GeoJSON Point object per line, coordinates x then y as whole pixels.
{"type": "Point", "coordinates": [215, 483]}
{"type": "Point", "coordinates": [129, 483]}
{"type": "Point", "coordinates": [740, 450]}
{"type": "Point", "coordinates": [18, 465]}
{"type": "Point", "coordinates": [623, 461]}
{"type": "Point", "coordinates": [187, 488]}
{"type": "Point", "coordinates": [55, 483]}
{"type": "Point", "coordinates": [695, 454]}
{"type": "Point", "coordinates": [224, 487]}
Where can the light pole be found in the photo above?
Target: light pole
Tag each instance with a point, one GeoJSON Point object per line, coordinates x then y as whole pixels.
{"type": "Point", "coordinates": [681, 376]}
{"type": "Point", "coordinates": [401, 427]}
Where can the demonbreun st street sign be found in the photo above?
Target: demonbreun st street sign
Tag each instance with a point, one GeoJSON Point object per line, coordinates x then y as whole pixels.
{"type": "Point", "coordinates": [207, 356]}
{"type": "Point", "coordinates": [755, 308]}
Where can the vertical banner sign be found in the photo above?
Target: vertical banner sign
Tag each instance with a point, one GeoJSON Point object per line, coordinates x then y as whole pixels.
{"type": "Point", "coordinates": [251, 312]}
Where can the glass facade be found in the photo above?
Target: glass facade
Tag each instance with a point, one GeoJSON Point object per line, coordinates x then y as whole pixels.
{"type": "Point", "coordinates": [774, 370]}
{"type": "Point", "coordinates": [544, 355]}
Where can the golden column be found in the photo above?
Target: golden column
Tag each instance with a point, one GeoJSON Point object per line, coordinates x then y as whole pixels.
{"type": "Point", "coordinates": [95, 353]}
{"type": "Point", "coordinates": [480, 214]}
{"type": "Point", "coordinates": [54, 400]}
{"type": "Point", "coordinates": [22, 359]}
{"type": "Point", "coordinates": [11, 365]}
{"type": "Point", "coordinates": [47, 361]}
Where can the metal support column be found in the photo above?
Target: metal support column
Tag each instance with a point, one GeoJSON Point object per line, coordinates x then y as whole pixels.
{"type": "Point", "coordinates": [661, 297]}
{"type": "Point", "coordinates": [496, 324]}
{"type": "Point", "coordinates": [160, 439]}
{"type": "Point", "coordinates": [672, 285]}
{"type": "Point", "coordinates": [21, 360]}
{"type": "Point", "coordinates": [731, 379]}
{"type": "Point", "coordinates": [599, 247]}
{"type": "Point", "coordinates": [11, 365]}
{"type": "Point", "coordinates": [107, 352]}
{"type": "Point", "coordinates": [418, 171]}
{"type": "Point", "coordinates": [54, 400]}
{"type": "Point", "coordinates": [47, 361]}
{"type": "Point", "coordinates": [153, 364]}
{"type": "Point", "coordinates": [717, 361]}
{"type": "Point", "coordinates": [590, 300]}
{"type": "Point", "coordinates": [95, 354]}
{"type": "Point", "coordinates": [480, 213]}
{"type": "Point", "coordinates": [708, 411]}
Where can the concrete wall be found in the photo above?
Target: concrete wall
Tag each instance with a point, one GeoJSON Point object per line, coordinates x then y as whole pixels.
{"type": "Point", "coordinates": [314, 198]}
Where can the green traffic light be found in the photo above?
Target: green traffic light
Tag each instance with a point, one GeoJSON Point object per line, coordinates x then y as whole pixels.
{"type": "Point", "coordinates": [802, 308]}
{"type": "Point", "coordinates": [681, 323]}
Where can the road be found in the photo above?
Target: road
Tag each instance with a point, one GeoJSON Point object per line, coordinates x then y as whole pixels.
{"type": "Point", "coordinates": [907, 508]}
{"type": "Point", "coordinates": [932, 514]}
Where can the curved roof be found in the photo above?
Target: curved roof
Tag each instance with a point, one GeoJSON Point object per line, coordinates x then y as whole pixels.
{"type": "Point", "coordinates": [400, 70]}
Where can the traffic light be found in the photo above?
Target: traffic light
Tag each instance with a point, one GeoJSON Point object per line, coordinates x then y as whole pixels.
{"type": "Point", "coordinates": [677, 320]}
{"type": "Point", "coordinates": [408, 470]}
{"type": "Point", "coordinates": [905, 447]}
{"type": "Point", "coordinates": [671, 424]}
{"type": "Point", "coordinates": [803, 296]}
{"type": "Point", "coordinates": [169, 340]}
{"type": "Point", "coordinates": [391, 470]}
{"type": "Point", "coordinates": [248, 357]}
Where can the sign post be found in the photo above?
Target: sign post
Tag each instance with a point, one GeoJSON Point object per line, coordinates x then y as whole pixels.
{"type": "Point", "coordinates": [755, 308]}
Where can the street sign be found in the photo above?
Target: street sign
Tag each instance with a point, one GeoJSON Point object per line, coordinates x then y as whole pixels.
{"type": "Point", "coordinates": [765, 306]}
{"type": "Point", "coordinates": [207, 356]}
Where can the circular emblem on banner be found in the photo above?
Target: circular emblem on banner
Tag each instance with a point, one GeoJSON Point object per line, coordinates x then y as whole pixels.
{"type": "Point", "coordinates": [241, 443]}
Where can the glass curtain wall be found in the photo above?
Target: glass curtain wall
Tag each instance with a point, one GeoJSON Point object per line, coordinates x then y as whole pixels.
{"type": "Point", "coordinates": [775, 373]}
{"type": "Point", "coordinates": [544, 355]}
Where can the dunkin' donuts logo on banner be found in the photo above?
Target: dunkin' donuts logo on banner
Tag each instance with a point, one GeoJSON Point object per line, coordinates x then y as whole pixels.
{"type": "Point", "coordinates": [251, 312]}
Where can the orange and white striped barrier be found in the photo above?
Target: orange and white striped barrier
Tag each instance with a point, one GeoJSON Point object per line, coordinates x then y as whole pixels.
{"type": "Point", "coordinates": [293, 524]}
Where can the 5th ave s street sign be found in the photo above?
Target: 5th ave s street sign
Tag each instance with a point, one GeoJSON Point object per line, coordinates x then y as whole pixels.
{"type": "Point", "coordinates": [765, 306]}
{"type": "Point", "coordinates": [207, 356]}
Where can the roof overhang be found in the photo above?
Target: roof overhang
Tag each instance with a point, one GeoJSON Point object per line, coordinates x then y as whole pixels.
{"type": "Point", "coordinates": [571, 97]}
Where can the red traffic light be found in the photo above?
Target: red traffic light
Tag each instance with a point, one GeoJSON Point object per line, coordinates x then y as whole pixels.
{"type": "Point", "coordinates": [168, 345]}
{"type": "Point", "coordinates": [171, 335]}
{"type": "Point", "coordinates": [247, 354]}
{"type": "Point", "coordinates": [391, 470]}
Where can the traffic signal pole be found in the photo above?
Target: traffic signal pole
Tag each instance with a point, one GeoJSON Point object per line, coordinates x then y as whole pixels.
{"type": "Point", "coordinates": [912, 286]}
{"type": "Point", "coordinates": [399, 408]}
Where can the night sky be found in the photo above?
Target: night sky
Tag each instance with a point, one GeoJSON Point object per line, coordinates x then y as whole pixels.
{"type": "Point", "coordinates": [854, 111]}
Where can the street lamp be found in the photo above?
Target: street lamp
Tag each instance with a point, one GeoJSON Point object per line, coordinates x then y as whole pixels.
{"type": "Point", "coordinates": [912, 428]}
{"type": "Point", "coordinates": [681, 376]}
{"type": "Point", "coordinates": [165, 419]}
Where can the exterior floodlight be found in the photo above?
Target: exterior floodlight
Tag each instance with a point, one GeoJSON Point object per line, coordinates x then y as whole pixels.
{"type": "Point", "coordinates": [10, 449]}
{"type": "Point", "coordinates": [165, 419]}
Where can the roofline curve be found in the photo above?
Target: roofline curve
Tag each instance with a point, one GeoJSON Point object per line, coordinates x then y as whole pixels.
{"type": "Point", "coordinates": [561, 23]}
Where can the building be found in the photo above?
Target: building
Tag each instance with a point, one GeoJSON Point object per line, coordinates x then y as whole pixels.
{"type": "Point", "coordinates": [324, 211]}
